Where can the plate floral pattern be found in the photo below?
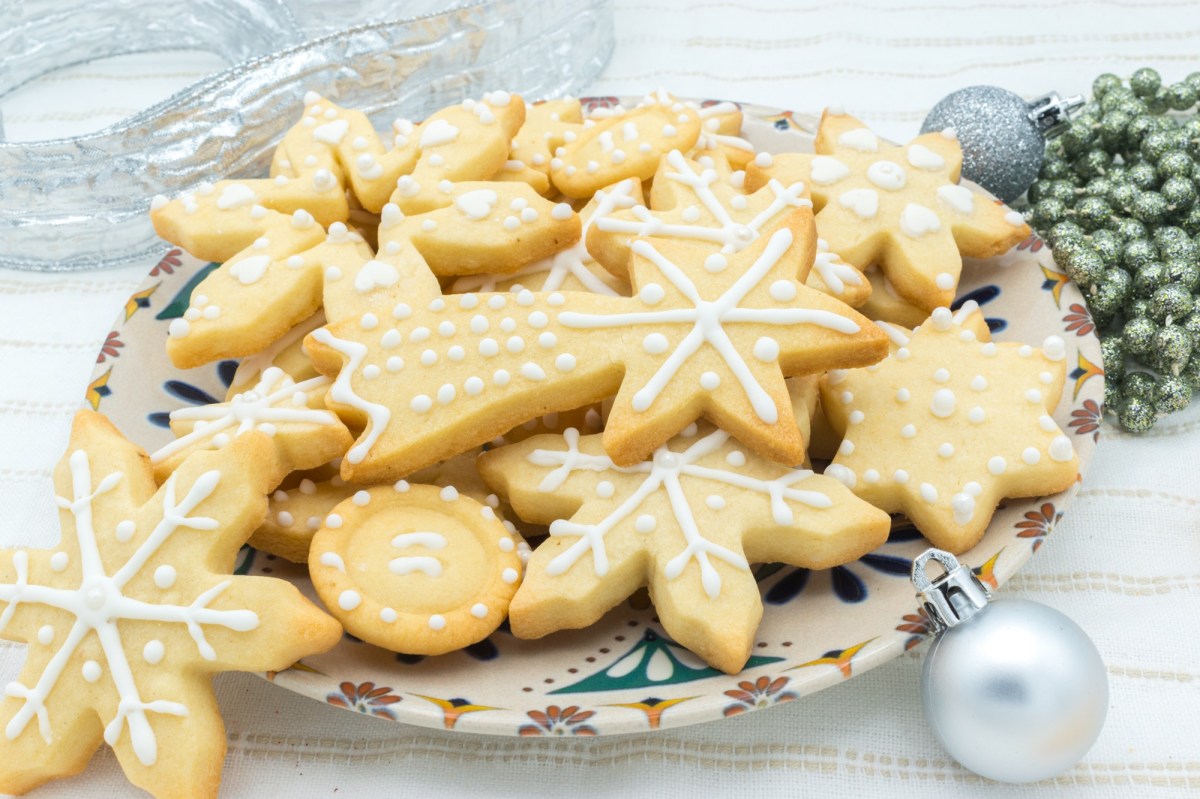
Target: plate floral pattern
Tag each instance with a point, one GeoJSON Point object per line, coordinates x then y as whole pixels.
{"type": "Point", "coordinates": [623, 674]}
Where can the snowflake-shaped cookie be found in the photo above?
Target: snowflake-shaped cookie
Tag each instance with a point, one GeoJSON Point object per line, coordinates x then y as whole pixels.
{"type": "Point", "coordinates": [688, 523]}
{"type": "Point", "coordinates": [900, 207]}
{"type": "Point", "coordinates": [129, 615]}
{"type": "Point", "coordinates": [447, 373]}
{"type": "Point", "coordinates": [946, 427]}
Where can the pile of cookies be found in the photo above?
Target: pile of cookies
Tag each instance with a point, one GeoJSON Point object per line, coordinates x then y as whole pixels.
{"type": "Point", "coordinates": [518, 361]}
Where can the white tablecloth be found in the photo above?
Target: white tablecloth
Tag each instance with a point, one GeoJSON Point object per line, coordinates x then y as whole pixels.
{"type": "Point", "coordinates": [1124, 563]}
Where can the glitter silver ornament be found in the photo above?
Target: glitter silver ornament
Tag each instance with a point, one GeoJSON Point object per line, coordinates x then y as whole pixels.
{"type": "Point", "coordinates": [1003, 137]}
{"type": "Point", "coordinates": [1014, 690]}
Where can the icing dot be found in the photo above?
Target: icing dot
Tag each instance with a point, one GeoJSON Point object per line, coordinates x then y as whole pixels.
{"type": "Point", "coordinates": [455, 353]}
{"type": "Point", "coordinates": [125, 530]}
{"type": "Point", "coordinates": [979, 383]}
{"type": "Point", "coordinates": [547, 341]}
{"type": "Point", "coordinates": [988, 350]}
{"type": "Point", "coordinates": [997, 465]}
{"type": "Point", "coordinates": [428, 358]}
{"type": "Point", "coordinates": [59, 561]}
{"type": "Point", "coordinates": [333, 521]}
{"type": "Point", "coordinates": [515, 344]}
{"type": "Point", "coordinates": [908, 431]}
{"type": "Point", "coordinates": [1061, 449]}
{"type": "Point", "coordinates": [45, 635]}
{"type": "Point", "coordinates": [388, 615]}
{"type": "Point", "coordinates": [91, 670]}
{"type": "Point", "coordinates": [1046, 378]}
{"type": "Point", "coordinates": [421, 403]}
{"type": "Point", "coordinates": [736, 458]}
{"type": "Point", "coordinates": [448, 494]}
{"type": "Point", "coordinates": [349, 599]}
{"type": "Point", "coordinates": [943, 403]}
{"type": "Point", "coordinates": [766, 349]}
{"type": "Point", "coordinates": [847, 447]}
{"type": "Point", "coordinates": [509, 575]}
{"type": "Point", "coordinates": [488, 347]}
{"type": "Point", "coordinates": [871, 476]}
{"type": "Point", "coordinates": [928, 492]}
{"type": "Point", "coordinates": [941, 376]}
{"type": "Point", "coordinates": [709, 381]}
{"type": "Point", "coordinates": [437, 622]}
{"type": "Point", "coordinates": [715, 501]}
{"type": "Point", "coordinates": [562, 211]}
{"type": "Point", "coordinates": [479, 610]}
{"type": "Point", "coordinates": [655, 344]}
{"type": "Point", "coordinates": [903, 395]}
{"type": "Point", "coordinates": [903, 354]}
{"type": "Point", "coordinates": [506, 544]}
{"type": "Point", "coordinates": [153, 652]}
{"type": "Point", "coordinates": [1047, 424]}
{"type": "Point", "coordinates": [531, 371]}
{"type": "Point", "coordinates": [856, 417]}
{"type": "Point", "coordinates": [1031, 456]}
{"type": "Point", "coordinates": [501, 377]}
{"type": "Point", "coordinates": [395, 363]}
{"type": "Point", "coordinates": [976, 415]}
{"type": "Point", "coordinates": [842, 474]}
{"type": "Point", "coordinates": [783, 291]}
{"type": "Point", "coordinates": [944, 281]}
{"type": "Point", "coordinates": [651, 294]}
{"type": "Point", "coordinates": [565, 362]}
{"type": "Point", "coordinates": [946, 450]}
{"type": "Point", "coordinates": [1033, 395]}
{"type": "Point", "coordinates": [1054, 348]}
{"type": "Point", "coordinates": [645, 523]}
{"type": "Point", "coordinates": [900, 476]}
{"type": "Point", "coordinates": [401, 486]}
{"type": "Point", "coordinates": [604, 489]}
{"type": "Point", "coordinates": [1025, 351]}
{"type": "Point", "coordinates": [361, 498]}
{"type": "Point", "coordinates": [473, 386]}
{"type": "Point", "coordinates": [715, 263]}
{"type": "Point", "coordinates": [164, 576]}
{"type": "Point", "coordinates": [691, 214]}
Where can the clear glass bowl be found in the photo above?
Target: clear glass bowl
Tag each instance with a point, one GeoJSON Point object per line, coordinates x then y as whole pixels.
{"type": "Point", "coordinates": [81, 203]}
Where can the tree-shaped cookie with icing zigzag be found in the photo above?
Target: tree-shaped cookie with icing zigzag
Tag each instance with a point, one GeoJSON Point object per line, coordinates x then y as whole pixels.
{"type": "Point", "coordinates": [947, 426]}
{"type": "Point", "coordinates": [438, 375]}
{"type": "Point", "coordinates": [132, 612]}
{"type": "Point", "coordinates": [688, 523]}
{"type": "Point", "coordinates": [900, 207]}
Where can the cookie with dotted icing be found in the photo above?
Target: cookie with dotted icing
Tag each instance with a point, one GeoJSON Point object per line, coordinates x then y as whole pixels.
{"type": "Point", "coordinates": [899, 206]}
{"type": "Point", "coordinates": [704, 211]}
{"type": "Point", "coordinates": [691, 342]}
{"type": "Point", "coordinates": [687, 522]}
{"type": "Point", "coordinates": [627, 145]}
{"type": "Point", "coordinates": [132, 612]}
{"type": "Point", "coordinates": [548, 125]}
{"type": "Point", "coordinates": [572, 269]}
{"type": "Point", "coordinates": [292, 415]}
{"type": "Point", "coordinates": [947, 426]}
{"type": "Point", "coordinates": [415, 568]}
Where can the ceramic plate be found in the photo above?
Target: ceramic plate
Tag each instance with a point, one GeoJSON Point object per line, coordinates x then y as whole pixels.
{"type": "Point", "coordinates": [623, 674]}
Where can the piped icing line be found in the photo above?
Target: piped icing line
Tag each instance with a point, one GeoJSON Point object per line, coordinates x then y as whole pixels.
{"type": "Point", "coordinates": [99, 601]}
{"type": "Point", "coordinates": [572, 261]}
{"type": "Point", "coordinates": [665, 471]}
{"type": "Point", "coordinates": [342, 391]}
{"type": "Point", "coordinates": [250, 410]}
{"type": "Point", "coordinates": [707, 319]}
{"type": "Point", "coordinates": [733, 236]}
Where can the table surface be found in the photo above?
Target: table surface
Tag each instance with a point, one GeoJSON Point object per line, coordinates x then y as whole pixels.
{"type": "Point", "coordinates": [1124, 562]}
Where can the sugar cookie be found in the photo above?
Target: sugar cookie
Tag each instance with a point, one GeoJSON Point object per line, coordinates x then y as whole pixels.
{"type": "Point", "coordinates": [415, 568]}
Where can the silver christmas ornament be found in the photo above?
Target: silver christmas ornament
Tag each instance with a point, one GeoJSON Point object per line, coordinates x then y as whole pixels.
{"type": "Point", "coordinates": [1014, 690]}
{"type": "Point", "coordinates": [1003, 137]}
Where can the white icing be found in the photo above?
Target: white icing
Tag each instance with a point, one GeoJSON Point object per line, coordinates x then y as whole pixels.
{"type": "Point", "coordinates": [343, 392]}
{"type": "Point", "coordinates": [863, 202]}
{"type": "Point", "coordinates": [887, 175]}
{"type": "Point", "coordinates": [437, 132]}
{"type": "Point", "coordinates": [249, 271]}
{"type": "Point", "coordinates": [236, 195]}
{"type": "Point", "coordinates": [826, 169]}
{"type": "Point", "coordinates": [375, 274]}
{"type": "Point", "coordinates": [667, 472]}
{"type": "Point", "coordinates": [331, 132]}
{"type": "Point", "coordinates": [957, 198]}
{"type": "Point", "coordinates": [916, 221]}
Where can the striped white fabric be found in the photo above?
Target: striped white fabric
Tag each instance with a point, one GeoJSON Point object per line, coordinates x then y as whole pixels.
{"type": "Point", "coordinates": [1124, 563]}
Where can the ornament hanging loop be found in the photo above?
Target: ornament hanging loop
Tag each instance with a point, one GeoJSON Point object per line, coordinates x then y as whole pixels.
{"type": "Point", "coordinates": [1051, 114]}
{"type": "Point", "coordinates": [953, 597]}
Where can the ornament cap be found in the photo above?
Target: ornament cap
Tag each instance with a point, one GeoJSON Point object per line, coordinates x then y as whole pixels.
{"type": "Point", "coordinates": [953, 597]}
{"type": "Point", "coordinates": [1051, 114]}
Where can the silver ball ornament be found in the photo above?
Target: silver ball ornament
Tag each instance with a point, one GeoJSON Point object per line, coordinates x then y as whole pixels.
{"type": "Point", "coordinates": [1003, 137]}
{"type": "Point", "coordinates": [1014, 690]}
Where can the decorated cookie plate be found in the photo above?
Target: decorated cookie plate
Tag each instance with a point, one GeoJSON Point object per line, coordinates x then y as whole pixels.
{"type": "Point", "coordinates": [624, 674]}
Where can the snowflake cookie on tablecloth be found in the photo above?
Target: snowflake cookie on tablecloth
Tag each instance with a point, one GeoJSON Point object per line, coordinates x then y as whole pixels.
{"type": "Point", "coordinates": [948, 425]}
{"type": "Point", "coordinates": [688, 523]}
{"type": "Point", "coordinates": [900, 207]}
{"type": "Point", "coordinates": [127, 618]}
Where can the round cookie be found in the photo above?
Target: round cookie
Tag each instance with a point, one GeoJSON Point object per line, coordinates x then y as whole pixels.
{"type": "Point", "coordinates": [415, 568]}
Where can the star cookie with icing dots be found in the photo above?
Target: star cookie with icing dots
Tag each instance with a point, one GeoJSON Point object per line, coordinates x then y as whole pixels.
{"type": "Point", "coordinates": [132, 612]}
{"type": "Point", "coordinates": [687, 522]}
{"type": "Point", "coordinates": [947, 426]}
{"type": "Point", "coordinates": [900, 207]}
{"type": "Point", "coordinates": [437, 375]}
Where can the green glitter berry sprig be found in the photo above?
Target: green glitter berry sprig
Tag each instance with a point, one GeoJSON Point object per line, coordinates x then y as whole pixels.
{"type": "Point", "coordinates": [1118, 200]}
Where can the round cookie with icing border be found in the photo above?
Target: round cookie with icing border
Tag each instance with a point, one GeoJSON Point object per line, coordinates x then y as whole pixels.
{"type": "Point", "coordinates": [415, 568]}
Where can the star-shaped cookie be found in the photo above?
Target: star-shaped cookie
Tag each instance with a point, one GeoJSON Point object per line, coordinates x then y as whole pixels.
{"type": "Point", "coordinates": [132, 612]}
{"type": "Point", "coordinates": [947, 426]}
{"type": "Point", "coordinates": [900, 207]}
{"type": "Point", "coordinates": [688, 523]}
